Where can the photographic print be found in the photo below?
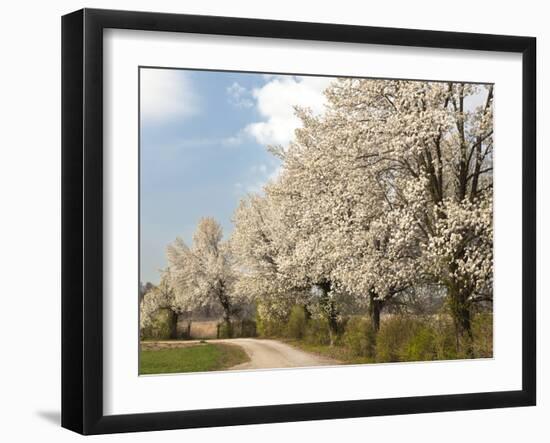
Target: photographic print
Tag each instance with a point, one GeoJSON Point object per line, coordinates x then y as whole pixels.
{"type": "Point", "coordinates": [292, 221]}
{"type": "Point", "coordinates": [265, 206]}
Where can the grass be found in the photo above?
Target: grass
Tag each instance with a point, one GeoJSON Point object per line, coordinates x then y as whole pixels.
{"type": "Point", "coordinates": [196, 358]}
{"type": "Point", "coordinates": [337, 352]}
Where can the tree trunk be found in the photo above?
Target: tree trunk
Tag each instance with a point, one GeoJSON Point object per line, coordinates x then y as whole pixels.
{"type": "Point", "coordinates": [375, 316]}
{"type": "Point", "coordinates": [375, 308]}
{"type": "Point", "coordinates": [173, 324]}
{"type": "Point", "coordinates": [461, 312]}
{"type": "Point", "coordinates": [332, 323]}
{"type": "Point", "coordinates": [227, 322]}
{"type": "Point", "coordinates": [330, 310]}
{"type": "Point", "coordinates": [226, 305]}
{"type": "Point", "coordinates": [465, 329]}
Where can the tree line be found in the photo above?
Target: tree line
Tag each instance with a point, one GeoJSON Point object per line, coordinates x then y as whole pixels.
{"type": "Point", "coordinates": [386, 195]}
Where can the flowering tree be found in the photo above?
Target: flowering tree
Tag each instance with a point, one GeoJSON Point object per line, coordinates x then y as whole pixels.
{"type": "Point", "coordinates": [459, 255]}
{"type": "Point", "coordinates": [203, 274]}
{"type": "Point", "coordinates": [321, 211]}
{"type": "Point", "coordinates": [144, 288]}
{"type": "Point", "coordinates": [156, 298]}
{"type": "Point", "coordinates": [332, 210]}
{"type": "Point", "coordinates": [427, 150]}
{"type": "Point", "coordinates": [259, 244]}
{"type": "Point", "coordinates": [390, 188]}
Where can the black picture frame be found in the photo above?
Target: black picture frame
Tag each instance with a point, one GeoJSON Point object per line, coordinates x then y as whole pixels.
{"type": "Point", "coordinates": [82, 220]}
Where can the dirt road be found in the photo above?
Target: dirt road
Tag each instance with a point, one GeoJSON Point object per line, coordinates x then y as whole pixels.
{"type": "Point", "coordinates": [275, 354]}
{"type": "Point", "coordinates": [263, 354]}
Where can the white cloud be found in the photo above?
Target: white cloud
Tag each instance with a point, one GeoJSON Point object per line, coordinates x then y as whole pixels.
{"type": "Point", "coordinates": [276, 101]}
{"type": "Point", "coordinates": [166, 94]}
{"type": "Point", "coordinates": [234, 140]}
{"type": "Point", "coordinates": [201, 142]}
{"type": "Point", "coordinates": [239, 96]}
{"type": "Point", "coordinates": [261, 168]}
{"type": "Point", "coordinates": [259, 175]}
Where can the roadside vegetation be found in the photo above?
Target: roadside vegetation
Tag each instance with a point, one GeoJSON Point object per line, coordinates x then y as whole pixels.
{"type": "Point", "coordinates": [401, 338]}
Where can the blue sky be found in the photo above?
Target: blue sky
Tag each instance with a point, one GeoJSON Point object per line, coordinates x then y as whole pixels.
{"type": "Point", "coordinates": [203, 147]}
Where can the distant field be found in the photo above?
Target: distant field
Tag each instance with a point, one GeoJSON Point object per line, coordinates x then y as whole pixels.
{"type": "Point", "coordinates": [196, 358]}
{"type": "Point", "coordinates": [204, 329]}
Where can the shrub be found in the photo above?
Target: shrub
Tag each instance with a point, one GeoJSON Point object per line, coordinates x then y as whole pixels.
{"type": "Point", "coordinates": [427, 338]}
{"type": "Point", "coordinates": [406, 339]}
{"type": "Point", "coordinates": [270, 327]}
{"type": "Point", "coordinates": [421, 344]}
{"type": "Point", "coordinates": [163, 326]}
{"type": "Point", "coordinates": [482, 329]}
{"type": "Point", "coordinates": [359, 337]}
{"type": "Point", "coordinates": [247, 328]}
{"type": "Point", "coordinates": [317, 332]}
{"type": "Point", "coordinates": [225, 330]}
{"type": "Point", "coordinates": [392, 339]}
{"type": "Point", "coordinates": [449, 345]}
{"type": "Point", "coordinates": [445, 339]}
{"type": "Point", "coordinates": [239, 329]}
{"type": "Point", "coordinates": [297, 323]}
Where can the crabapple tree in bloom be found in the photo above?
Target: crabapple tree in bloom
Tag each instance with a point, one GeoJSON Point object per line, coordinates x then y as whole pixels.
{"type": "Point", "coordinates": [259, 244]}
{"type": "Point", "coordinates": [156, 298]}
{"type": "Point", "coordinates": [203, 274]}
{"type": "Point", "coordinates": [333, 211]}
{"type": "Point", "coordinates": [322, 211]}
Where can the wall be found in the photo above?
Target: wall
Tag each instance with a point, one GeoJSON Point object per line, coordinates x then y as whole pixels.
{"type": "Point", "coordinates": [30, 218]}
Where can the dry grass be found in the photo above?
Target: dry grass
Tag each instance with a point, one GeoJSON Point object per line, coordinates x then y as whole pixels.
{"type": "Point", "coordinates": [204, 329]}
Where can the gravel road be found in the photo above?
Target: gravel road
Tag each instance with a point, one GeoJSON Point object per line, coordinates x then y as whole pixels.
{"type": "Point", "coordinates": [275, 354]}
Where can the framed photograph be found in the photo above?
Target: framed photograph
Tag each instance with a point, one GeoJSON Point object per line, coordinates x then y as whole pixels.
{"type": "Point", "coordinates": [269, 221]}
